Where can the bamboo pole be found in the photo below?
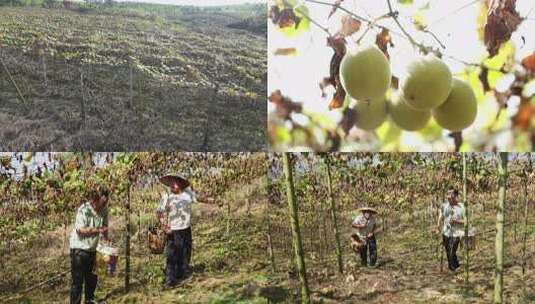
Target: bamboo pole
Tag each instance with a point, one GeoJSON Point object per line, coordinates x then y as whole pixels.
{"type": "Point", "coordinates": [525, 234]}
{"type": "Point", "coordinates": [296, 234]}
{"type": "Point", "coordinates": [19, 94]}
{"type": "Point", "coordinates": [466, 226]}
{"type": "Point", "coordinates": [500, 216]}
{"type": "Point", "coordinates": [127, 242]}
{"type": "Point", "coordinates": [333, 217]}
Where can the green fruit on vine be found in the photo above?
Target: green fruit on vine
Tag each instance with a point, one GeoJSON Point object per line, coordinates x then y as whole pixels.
{"type": "Point", "coordinates": [365, 73]}
{"type": "Point", "coordinates": [405, 116]}
{"type": "Point", "coordinates": [370, 114]}
{"type": "Point", "coordinates": [427, 84]}
{"type": "Point", "coordinates": [460, 108]}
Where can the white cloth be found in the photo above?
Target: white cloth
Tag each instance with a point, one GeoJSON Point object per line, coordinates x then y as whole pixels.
{"type": "Point", "coordinates": [368, 228]}
{"type": "Point", "coordinates": [87, 217]}
{"type": "Point", "coordinates": [177, 207]}
{"type": "Point", "coordinates": [450, 213]}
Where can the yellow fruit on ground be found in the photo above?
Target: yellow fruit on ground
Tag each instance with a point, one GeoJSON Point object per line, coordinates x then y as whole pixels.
{"type": "Point", "coordinates": [427, 83]}
{"type": "Point", "coordinates": [365, 73]}
{"type": "Point", "coordinates": [370, 114]}
{"type": "Point", "coordinates": [460, 108]}
{"type": "Point", "coordinates": [405, 116]}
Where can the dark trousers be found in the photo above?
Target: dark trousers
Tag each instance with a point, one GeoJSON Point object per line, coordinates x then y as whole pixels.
{"type": "Point", "coordinates": [82, 265]}
{"type": "Point", "coordinates": [450, 245]}
{"type": "Point", "coordinates": [371, 248]}
{"type": "Point", "coordinates": [178, 248]}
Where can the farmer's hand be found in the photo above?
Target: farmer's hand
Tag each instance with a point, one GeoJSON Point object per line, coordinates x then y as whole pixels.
{"type": "Point", "coordinates": [167, 229]}
{"type": "Point", "coordinates": [103, 230]}
{"type": "Point", "coordinates": [370, 235]}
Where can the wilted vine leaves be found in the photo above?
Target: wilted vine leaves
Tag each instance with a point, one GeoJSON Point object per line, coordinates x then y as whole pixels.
{"type": "Point", "coordinates": [502, 21]}
{"type": "Point", "coordinates": [338, 44]}
{"type": "Point", "coordinates": [284, 105]}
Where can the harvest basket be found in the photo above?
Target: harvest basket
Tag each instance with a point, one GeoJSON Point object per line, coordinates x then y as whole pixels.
{"type": "Point", "coordinates": [469, 241]}
{"type": "Point", "coordinates": [156, 238]}
{"type": "Point", "coordinates": [357, 243]}
{"type": "Point", "coordinates": [107, 257]}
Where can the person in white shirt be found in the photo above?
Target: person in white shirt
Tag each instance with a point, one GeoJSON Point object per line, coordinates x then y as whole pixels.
{"type": "Point", "coordinates": [452, 217]}
{"type": "Point", "coordinates": [174, 212]}
{"type": "Point", "coordinates": [365, 229]}
{"type": "Point", "coordinates": [91, 223]}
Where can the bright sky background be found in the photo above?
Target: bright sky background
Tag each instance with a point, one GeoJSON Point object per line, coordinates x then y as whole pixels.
{"type": "Point", "coordinates": [200, 2]}
{"type": "Point", "coordinates": [299, 76]}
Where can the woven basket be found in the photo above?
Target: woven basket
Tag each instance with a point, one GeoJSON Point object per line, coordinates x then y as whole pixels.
{"type": "Point", "coordinates": [157, 239]}
{"type": "Point", "coordinates": [357, 243]}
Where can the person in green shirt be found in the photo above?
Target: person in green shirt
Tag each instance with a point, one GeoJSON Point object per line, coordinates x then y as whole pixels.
{"type": "Point", "coordinates": [91, 223]}
{"type": "Point", "coordinates": [452, 218]}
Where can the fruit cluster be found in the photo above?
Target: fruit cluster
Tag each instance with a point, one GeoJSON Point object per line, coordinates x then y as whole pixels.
{"type": "Point", "coordinates": [428, 90]}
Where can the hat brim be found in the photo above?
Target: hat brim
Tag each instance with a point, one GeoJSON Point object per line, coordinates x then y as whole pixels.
{"type": "Point", "coordinates": [171, 179]}
{"type": "Point", "coordinates": [363, 209]}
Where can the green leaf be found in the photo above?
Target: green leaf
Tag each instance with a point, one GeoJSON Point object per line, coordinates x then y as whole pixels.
{"type": "Point", "coordinates": [405, 2]}
{"type": "Point", "coordinates": [304, 24]}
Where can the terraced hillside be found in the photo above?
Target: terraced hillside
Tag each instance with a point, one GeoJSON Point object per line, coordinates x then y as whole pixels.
{"type": "Point", "coordinates": [125, 77]}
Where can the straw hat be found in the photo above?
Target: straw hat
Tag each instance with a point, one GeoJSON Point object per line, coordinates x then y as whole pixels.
{"type": "Point", "coordinates": [369, 209]}
{"type": "Point", "coordinates": [170, 179]}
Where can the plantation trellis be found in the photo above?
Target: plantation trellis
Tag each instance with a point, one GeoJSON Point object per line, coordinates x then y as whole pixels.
{"type": "Point", "coordinates": [131, 76]}
{"type": "Point", "coordinates": [408, 191]}
{"type": "Point", "coordinates": [50, 201]}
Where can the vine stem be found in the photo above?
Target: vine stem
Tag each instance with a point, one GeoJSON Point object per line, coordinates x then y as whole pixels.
{"type": "Point", "coordinates": [360, 18]}
{"type": "Point", "coordinates": [371, 23]}
{"type": "Point", "coordinates": [421, 47]}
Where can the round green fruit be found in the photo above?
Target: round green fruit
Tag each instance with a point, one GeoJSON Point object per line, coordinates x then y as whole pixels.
{"type": "Point", "coordinates": [370, 114]}
{"type": "Point", "coordinates": [460, 108]}
{"type": "Point", "coordinates": [427, 84]}
{"type": "Point", "coordinates": [405, 116]}
{"type": "Point", "coordinates": [365, 73]}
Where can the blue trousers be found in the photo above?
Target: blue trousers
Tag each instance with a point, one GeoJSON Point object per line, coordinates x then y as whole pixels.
{"type": "Point", "coordinates": [178, 249]}
{"type": "Point", "coordinates": [82, 265]}
{"type": "Point", "coordinates": [371, 248]}
{"type": "Point", "coordinates": [450, 245]}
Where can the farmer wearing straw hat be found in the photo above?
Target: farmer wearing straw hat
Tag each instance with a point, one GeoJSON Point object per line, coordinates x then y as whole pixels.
{"type": "Point", "coordinates": [174, 213]}
{"type": "Point", "coordinates": [364, 238]}
{"type": "Point", "coordinates": [91, 223]}
{"type": "Point", "coordinates": [452, 216]}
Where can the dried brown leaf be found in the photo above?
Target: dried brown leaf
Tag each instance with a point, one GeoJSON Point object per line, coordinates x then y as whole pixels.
{"type": "Point", "coordinates": [283, 18]}
{"type": "Point", "coordinates": [529, 62]}
{"type": "Point", "coordinates": [286, 52]}
{"type": "Point", "coordinates": [284, 106]}
{"type": "Point", "coordinates": [522, 119]}
{"type": "Point", "coordinates": [350, 26]}
{"type": "Point", "coordinates": [502, 21]}
{"type": "Point", "coordinates": [383, 40]}
{"type": "Point", "coordinates": [338, 98]}
{"type": "Point", "coordinates": [349, 118]}
{"type": "Point", "coordinates": [338, 44]}
{"type": "Point", "coordinates": [483, 77]}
